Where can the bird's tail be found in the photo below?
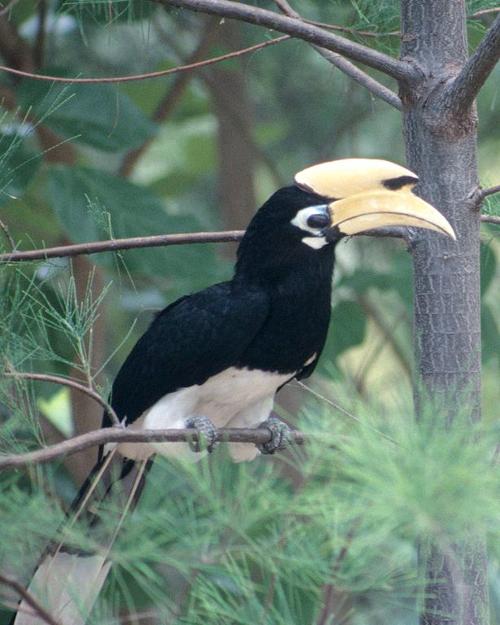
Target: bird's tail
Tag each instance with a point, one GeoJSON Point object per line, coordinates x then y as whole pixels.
{"type": "Point", "coordinates": [68, 580]}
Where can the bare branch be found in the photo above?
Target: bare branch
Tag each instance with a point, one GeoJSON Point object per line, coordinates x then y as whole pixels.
{"type": "Point", "coordinates": [489, 191]}
{"type": "Point", "coordinates": [484, 12]}
{"type": "Point", "coordinates": [156, 240]}
{"type": "Point", "coordinates": [147, 75]}
{"type": "Point", "coordinates": [285, 8]}
{"type": "Point", "coordinates": [10, 5]}
{"type": "Point", "coordinates": [114, 245]}
{"type": "Point", "coordinates": [7, 234]}
{"type": "Point", "coordinates": [128, 435]}
{"type": "Point", "coordinates": [490, 219]}
{"type": "Point", "coordinates": [30, 600]}
{"type": "Point", "coordinates": [345, 66]}
{"type": "Point", "coordinates": [400, 70]}
{"type": "Point", "coordinates": [461, 93]}
{"type": "Point", "coordinates": [55, 379]}
{"type": "Point", "coordinates": [374, 86]}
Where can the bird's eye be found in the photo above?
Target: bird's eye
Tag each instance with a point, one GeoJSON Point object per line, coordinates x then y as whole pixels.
{"type": "Point", "coordinates": [319, 220]}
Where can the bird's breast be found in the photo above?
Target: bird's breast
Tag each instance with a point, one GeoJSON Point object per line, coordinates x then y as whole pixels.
{"type": "Point", "coordinates": [237, 387]}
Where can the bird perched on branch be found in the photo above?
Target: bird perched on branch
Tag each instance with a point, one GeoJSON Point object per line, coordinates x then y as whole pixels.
{"type": "Point", "coordinates": [218, 357]}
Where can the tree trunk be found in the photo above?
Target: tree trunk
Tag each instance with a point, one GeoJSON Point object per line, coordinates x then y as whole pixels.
{"type": "Point", "coordinates": [441, 148]}
{"type": "Point", "coordinates": [236, 157]}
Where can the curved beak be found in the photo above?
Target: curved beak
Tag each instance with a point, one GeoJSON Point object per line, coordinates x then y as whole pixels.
{"type": "Point", "coordinates": [382, 209]}
{"type": "Point", "coordinates": [368, 194]}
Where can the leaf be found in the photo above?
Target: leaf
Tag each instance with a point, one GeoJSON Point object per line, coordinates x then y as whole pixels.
{"type": "Point", "coordinates": [97, 115]}
{"type": "Point", "coordinates": [399, 279]}
{"type": "Point", "coordinates": [488, 266]}
{"type": "Point", "coordinates": [490, 336]}
{"type": "Point", "coordinates": [18, 165]}
{"type": "Point", "coordinates": [89, 202]}
{"type": "Point", "coordinates": [106, 13]}
{"type": "Point", "coordinates": [347, 329]}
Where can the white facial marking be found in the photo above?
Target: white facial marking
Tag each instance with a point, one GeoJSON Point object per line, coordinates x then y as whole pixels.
{"type": "Point", "coordinates": [315, 242]}
{"type": "Point", "coordinates": [300, 221]}
{"type": "Point", "coordinates": [302, 216]}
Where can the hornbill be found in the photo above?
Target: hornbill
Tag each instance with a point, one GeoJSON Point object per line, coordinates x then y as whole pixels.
{"type": "Point", "coordinates": [217, 357]}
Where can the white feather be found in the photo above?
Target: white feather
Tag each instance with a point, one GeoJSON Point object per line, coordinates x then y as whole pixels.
{"type": "Point", "coordinates": [67, 586]}
{"type": "Point", "coordinates": [245, 392]}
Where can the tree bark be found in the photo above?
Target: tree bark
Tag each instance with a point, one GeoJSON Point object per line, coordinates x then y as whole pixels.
{"type": "Point", "coordinates": [441, 148]}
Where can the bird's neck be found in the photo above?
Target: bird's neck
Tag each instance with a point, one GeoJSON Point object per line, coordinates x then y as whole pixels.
{"type": "Point", "coordinates": [299, 311]}
{"type": "Point", "coordinates": [287, 272]}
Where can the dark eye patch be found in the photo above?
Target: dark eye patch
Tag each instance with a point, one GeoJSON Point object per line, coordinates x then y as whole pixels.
{"type": "Point", "coordinates": [318, 221]}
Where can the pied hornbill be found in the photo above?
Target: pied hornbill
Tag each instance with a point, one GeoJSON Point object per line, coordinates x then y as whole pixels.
{"type": "Point", "coordinates": [217, 358]}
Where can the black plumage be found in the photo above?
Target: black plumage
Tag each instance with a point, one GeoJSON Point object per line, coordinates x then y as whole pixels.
{"type": "Point", "coordinates": [272, 316]}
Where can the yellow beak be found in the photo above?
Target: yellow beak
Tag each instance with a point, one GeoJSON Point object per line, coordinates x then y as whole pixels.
{"type": "Point", "coordinates": [371, 193]}
{"type": "Point", "coordinates": [382, 209]}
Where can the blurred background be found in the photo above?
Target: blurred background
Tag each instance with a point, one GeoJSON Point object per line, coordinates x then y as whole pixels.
{"type": "Point", "coordinates": [195, 151]}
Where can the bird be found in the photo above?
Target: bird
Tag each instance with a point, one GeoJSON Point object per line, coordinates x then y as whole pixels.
{"type": "Point", "coordinates": [217, 358]}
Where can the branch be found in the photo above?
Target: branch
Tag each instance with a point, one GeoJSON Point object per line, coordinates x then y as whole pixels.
{"type": "Point", "coordinates": [147, 75]}
{"type": "Point", "coordinates": [483, 12]}
{"type": "Point", "coordinates": [464, 88]}
{"type": "Point", "coordinates": [345, 66]}
{"type": "Point", "coordinates": [489, 191]}
{"type": "Point", "coordinates": [155, 240]}
{"type": "Point", "coordinates": [128, 435]}
{"type": "Point", "coordinates": [113, 245]}
{"type": "Point", "coordinates": [10, 5]}
{"type": "Point", "coordinates": [400, 70]}
{"type": "Point", "coordinates": [7, 234]}
{"type": "Point", "coordinates": [30, 600]}
{"type": "Point", "coordinates": [490, 219]}
{"type": "Point", "coordinates": [374, 86]}
{"type": "Point", "coordinates": [55, 379]}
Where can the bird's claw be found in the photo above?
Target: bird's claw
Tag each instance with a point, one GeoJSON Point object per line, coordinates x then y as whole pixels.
{"type": "Point", "coordinates": [206, 430]}
{"type": "Point", "coordinates": [280, 436]}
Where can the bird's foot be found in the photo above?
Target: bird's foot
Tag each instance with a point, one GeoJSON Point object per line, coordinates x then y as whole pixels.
{"type": "Point", "coordinates": [206, 431]}
{"type": "Point", "coordinates": [280, 436]}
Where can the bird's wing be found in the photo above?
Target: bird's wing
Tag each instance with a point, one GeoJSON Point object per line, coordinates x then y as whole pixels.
{"type": "Point", "coordinates": [188, 342]}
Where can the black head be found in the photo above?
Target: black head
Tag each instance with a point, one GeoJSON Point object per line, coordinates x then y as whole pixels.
{"type": "Point", "coordinates": [288, 229]}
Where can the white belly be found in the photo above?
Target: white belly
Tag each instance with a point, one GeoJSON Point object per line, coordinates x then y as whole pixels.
{"type": "Point", "coordinates": [243, 397]}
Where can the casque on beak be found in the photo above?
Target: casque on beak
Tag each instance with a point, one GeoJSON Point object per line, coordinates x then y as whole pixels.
{"type": "Point", "coordinates": [368, 194]}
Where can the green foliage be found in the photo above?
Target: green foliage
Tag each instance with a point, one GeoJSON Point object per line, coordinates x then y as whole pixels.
{"type": "Point", "coordinates": [18, 165]}
{"type": "Point", "coordinates": [97, 115]}
{"type": "Point", "coordinates": [219, 542]}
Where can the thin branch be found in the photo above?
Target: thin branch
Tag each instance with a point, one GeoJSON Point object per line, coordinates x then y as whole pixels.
{"type": "Point", "coordinates": [128, 435]}
{"type": "Point", "coordinates": [10, 5]}
{"type": "Point", "coordinates": [147, 75]}
{"type": "Point", "coordinates": [113, 245]}
{"type": "Point", "coordinates": [55, 379]}
{"type": "Point", "coordinates": [490, 219]}
{"type": "Point", "coordinates": [287, 9]}
{"type": "Point", "coordinates": [30, 600]}
{"type": "Point", "coordinates": [464, 88]}
{"type": "Point", "coordinates": [489, 191]}
{"type": "Point", "coordinates": [329, 589]}
{"type": "Point", "coordinates": [345, 66]}
{"type": "Point", "coordinates": [7, 234]}
{"type": "Point", "coordinates": [373, 86]}
{"type": "Point", "coordinates": [484, 12]}
{"type": "Point", "coordinates": [400, 70]}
